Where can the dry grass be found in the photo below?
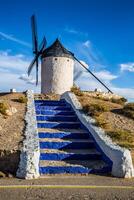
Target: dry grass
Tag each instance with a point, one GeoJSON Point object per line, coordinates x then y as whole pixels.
{"type": "Point", "coordinates": [95, 109]}
{"type": "Point", "coordinates": [121, 101]}
{"type": "Point", "coordinates": [128, 110]}
{"type": "Point", "coordinates": [22, 99]}
{"type": "Point", "coordinates": [76, 90]}
{"type": "Point", "coordinates": [3, 108]}
{"type": "Point", "coordinates": [113, 116]}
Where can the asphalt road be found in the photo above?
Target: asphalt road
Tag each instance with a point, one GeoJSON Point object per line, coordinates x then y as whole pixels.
{"type": "Point", "coordinates": [90, 187]}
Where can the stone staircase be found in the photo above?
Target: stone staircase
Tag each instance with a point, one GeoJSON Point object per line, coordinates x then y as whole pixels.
{"type": "Point", "coordinates": [65, 144]}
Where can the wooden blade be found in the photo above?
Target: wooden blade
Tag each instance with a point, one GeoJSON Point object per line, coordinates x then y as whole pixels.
{"type": "Point", "coordinates": [34, 34]}
{"type": "Point", "coordinates": [32, 65]}
{"type": "Point", "coordinates": [93, 75]}
{"type": "Point", "coordinates": [37, 66]}
{"type": "Point", "coordinates": [42, 45]}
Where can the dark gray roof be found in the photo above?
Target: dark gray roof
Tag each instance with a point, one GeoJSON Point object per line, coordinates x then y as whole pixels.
{"type": "Point", "coordinates": [57, 50]}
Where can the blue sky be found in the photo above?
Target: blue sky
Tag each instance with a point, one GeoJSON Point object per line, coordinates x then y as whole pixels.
{"type": "Point", "coordinates": [99, 32]}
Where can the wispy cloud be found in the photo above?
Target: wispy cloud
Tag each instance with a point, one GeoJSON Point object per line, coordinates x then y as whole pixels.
{"type": "Point", "coordinates": [127, 67]}
{"type": "Point", "coordinates": [75, 32]}
{"type": "Point", "coordinates": [13, 72]}
{"type": "Point", "coordinates": [14, 63]}
{"type": "Point", "coordinates": [14, 39]}
{"type": "Point", "coordinates": [86, 82]}
{"type": "Point", "coordinates": [87, 43]}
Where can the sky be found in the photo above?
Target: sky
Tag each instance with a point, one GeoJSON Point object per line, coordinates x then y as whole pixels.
{"type": "Point", "coordinates": [99, 32]}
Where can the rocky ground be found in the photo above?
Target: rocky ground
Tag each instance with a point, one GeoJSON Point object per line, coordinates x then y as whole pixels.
{"type": "Point", "coordinates": [11, 132]}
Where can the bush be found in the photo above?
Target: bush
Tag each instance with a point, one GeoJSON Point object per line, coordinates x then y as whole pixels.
{"type": "Point", "coordinates": [129, 106]}
{"type": "Point", "coordinates": [95, 109]}
{"type": "Point", "coordinates": [76, 90]}
{"type": "Point", "coordinates": [101, 122]}
{"type": "Point", "coordinates": [119, 101]}
{"type": "Point", "coordinates": [3, 108]}
{"type": "Point", "coordinates": [128, 110]}
{"type": "Point", "coordinates": [22, 99]}
{"type": "Point", "coordinates": [121, 136]}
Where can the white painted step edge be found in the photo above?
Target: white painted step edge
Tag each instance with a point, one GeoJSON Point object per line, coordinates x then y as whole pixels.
{"type": "Point", "coordinates": [121, 157]}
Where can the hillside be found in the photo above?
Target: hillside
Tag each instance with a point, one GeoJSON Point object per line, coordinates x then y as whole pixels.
{"type": "Point", "coordinates": [112, 115]}
{"type": "Point", "coordinates": [12, 113]}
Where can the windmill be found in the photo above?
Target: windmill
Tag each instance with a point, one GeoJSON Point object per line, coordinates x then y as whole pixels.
{"type": "Point", "coordinates": [37, 49]}
{"type": "Point", "coordinates": [57, 65]}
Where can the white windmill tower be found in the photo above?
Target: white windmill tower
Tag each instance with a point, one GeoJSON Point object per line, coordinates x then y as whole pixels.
{"type": "Point", "coordinates": [57, 65]}
{"type": "Point", "coordinates": [56, 69]}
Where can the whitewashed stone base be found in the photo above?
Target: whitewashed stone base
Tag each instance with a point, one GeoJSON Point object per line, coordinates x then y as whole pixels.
{"type": "Point", "coordinates": [30, 153]}
{"type": "Point", "coordinates": [121, 157]}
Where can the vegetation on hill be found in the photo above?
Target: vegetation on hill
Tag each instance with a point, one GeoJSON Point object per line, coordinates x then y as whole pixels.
{"type": "Point", "coordinates": [114, 115]}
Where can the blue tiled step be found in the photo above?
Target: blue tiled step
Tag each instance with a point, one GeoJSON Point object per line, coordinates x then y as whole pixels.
{"type": "Point", "coordinates": [50, 103]}
{"type": "Point", "coordinates": [74, 144]}
{"type": "Point", "coordinates": [73, 167]}
{"type": "Point", "coordinates": [72, 170]}
{"type": "Point", "coordinates": [70, 156]}
{"type": "Point", "coordinates": [43, 108]}
{"type": "Point", "coordinates": [54, 112]}
{"type": "Point", "coordinates": [69, 125]}
{"type": "Point", "coordinates": [53, 118]}
{"type": "Point", "coordinates": [65, 135]}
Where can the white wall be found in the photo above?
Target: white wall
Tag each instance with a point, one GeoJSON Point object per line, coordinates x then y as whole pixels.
{"type": "Point", "coordinates": [56, 75]}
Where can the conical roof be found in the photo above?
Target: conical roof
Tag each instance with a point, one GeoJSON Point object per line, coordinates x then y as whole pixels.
{"type": "Point", "coordinates": [57, 50]}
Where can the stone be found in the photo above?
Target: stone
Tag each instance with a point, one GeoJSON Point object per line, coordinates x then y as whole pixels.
{"type": "Point", "coordinates": [8, 113]}
{"type": "Point", "coordinates": [13, 110]}
{"type": "Point", "coordinates": [0, 128]}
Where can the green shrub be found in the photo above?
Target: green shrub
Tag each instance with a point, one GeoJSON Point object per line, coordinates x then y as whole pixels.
{"type": "Point", "coordinates": [3, 107]}
{"type": "Point", "coordinates": [129, 106]}
{"type": "Point", "coordinates": [119, 101]}
{"type": "Point", "coordinates": [95, 109]}
{"type": "Point", "coordinates": [22, 99]}
{"type": "Point", "coordinates": [128, 110]}
{"type": "Point", "coordinates": [101, 122]}
{"type": "Point", "coordinates": [76, 90]}
{"type": "Point", "coordinates": [121, 136]}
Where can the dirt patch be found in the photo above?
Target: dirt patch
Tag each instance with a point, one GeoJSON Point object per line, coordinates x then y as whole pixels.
{"type": "Point", "coordinates": [11, 133]}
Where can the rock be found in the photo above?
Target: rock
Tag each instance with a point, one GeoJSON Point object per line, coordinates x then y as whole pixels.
{"type": "Point", "coordinates": [13, 110]}
{"type": "Point", "coordinates": [0, 128]}
{"type": "Point", "coordinates": [10, 175]}
{"type": "Point", "coordinates": [8, 113]}
{"type": "Point", "coordinates": [2, 174]}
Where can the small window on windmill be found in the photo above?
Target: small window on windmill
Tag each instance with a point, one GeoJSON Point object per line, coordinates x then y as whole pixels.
{"type": "Point", "coordinates": [55, 58]}
{"type": "Point", "coordinates": [67, 60]}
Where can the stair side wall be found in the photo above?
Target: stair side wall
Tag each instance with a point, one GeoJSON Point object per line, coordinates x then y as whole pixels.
{"type": "Point", "coordinates": [56, 75]}
{"type": "Point", "coordinates": [30, 153]}
{"type": "Point", "coordinates": [122, 165]}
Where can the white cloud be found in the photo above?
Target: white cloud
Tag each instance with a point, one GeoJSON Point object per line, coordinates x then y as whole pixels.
{"type": "Point", "coordinates": [127, 67]}
{"type": "Point", "coordinates": [87, 82]}
{"type": "Point", "coordinates": [87, 43]}
{"type": "Point", "coordinates": [105, 75]}
{"type": "Point", "coordinates": [16, 62]}
{"type": "Point", "coordinates": [14, 39]}
{"type": "Point", "coordinates": [13, 72]}
{"type": "Point", "coordinates": [75, 32]}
